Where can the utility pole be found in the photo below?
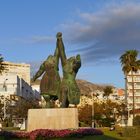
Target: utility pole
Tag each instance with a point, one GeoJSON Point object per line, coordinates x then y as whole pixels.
{"type": "Point", "coordinates": [126, 100]}
{"type": "Point", "coordinates": [5, 87]}
{"type": "Point", "coordinates": [92, 110]}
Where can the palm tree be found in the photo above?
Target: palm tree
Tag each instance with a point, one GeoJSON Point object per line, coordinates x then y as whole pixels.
{"type": "Point", "coordinates": [107, 91]}
{"type": "Point", "coordinates": [130, 64]}
{"type": "Point", "coordinates": [1, 64]}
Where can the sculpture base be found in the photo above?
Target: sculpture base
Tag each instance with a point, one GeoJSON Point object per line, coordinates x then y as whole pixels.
{"type": "Point", "coordinates": [55, 118]}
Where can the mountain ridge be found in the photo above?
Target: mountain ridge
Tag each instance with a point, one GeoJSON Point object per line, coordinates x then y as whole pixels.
{"type": "Point", "coordinates": [85, 87]}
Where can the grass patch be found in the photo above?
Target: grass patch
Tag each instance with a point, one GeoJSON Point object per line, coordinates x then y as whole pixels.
{"type": "Point", "coordinates": [116, 136]}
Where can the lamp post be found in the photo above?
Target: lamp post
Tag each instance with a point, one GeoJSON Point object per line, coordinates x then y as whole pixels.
{"type": "Point", "coordinates": [126, 100]}
{"type": "Point", "coordinates": [5, 87]}
{"type": "Point", "coordinates": [92, 110]}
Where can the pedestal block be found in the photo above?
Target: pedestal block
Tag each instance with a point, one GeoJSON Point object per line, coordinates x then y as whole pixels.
{"type": "Point", "coordinates": [56, 118]}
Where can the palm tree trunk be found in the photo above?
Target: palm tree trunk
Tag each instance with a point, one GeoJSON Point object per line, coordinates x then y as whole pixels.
{"type": "Point", "coordinates": [126, 95]}
{"type": "Point", "coordinates": [126, 101]}
{"type": "Point", "coordinates": [133, 92]}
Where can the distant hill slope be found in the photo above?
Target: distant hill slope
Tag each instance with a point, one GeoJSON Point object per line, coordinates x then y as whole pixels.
{"type": "Point", "coordinates": [85, 87]}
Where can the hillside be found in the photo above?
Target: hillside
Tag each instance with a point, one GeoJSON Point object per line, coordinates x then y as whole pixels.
{"type": "Point", "coordinates": [88, 87]}
{"type": "Point", "coordinates": [84, 86]}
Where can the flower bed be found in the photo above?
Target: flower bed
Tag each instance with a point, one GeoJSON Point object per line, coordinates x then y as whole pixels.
{"type": "Point", "coordinates": [47, 133]}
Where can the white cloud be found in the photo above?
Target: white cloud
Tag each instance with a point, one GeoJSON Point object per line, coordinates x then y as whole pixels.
{"type": "Point", "coordinates": [107, 33]}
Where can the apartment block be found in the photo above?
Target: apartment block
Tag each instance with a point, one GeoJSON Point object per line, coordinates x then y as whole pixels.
{"type": "Point", "coordinates": [15, 81]}
{"type": "Point", "coordinates": [22, 70]}
{"type": "Point", "coordinates": [136, 79]}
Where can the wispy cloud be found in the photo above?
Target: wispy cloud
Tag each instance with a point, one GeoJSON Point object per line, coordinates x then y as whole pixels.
{"type": "Point", "coordinates": [35, 40]}
{"type": "Point", "coordinates": [105, 34]}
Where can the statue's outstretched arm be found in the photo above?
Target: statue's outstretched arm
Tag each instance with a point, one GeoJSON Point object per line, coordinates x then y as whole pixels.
{"type": "Point", "coordinates": [39, 72]}
{"type": "Point", "coordinates": [61, 48]}
{"type": "Point", "coordinates": [56, 54]}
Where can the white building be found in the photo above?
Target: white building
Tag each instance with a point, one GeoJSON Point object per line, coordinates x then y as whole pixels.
{"type": "Point", "coordinates": [16, 81]}
{"type": "Point", "coordinates": [136, 78]}
{"type": "Point", "coordinates": [36, 85]}
{"type": "Point", "coordinates": [118, 95]}
{"type": "Point", "coordinates": [13, 85]}
{"type": "Point", "coordinates": [22, 70]}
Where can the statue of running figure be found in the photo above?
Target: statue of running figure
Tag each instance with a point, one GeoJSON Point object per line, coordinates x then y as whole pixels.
{"type": "Point", "coordinates": [69, 91]}
{"type": "Point", "coordinates": [50, 82]}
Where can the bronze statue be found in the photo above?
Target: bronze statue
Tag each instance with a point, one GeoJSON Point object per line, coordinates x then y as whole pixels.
{"type": "Point", "coordinates": [69, 91]}
{"type": "Point", "coordinates": [51, 87]}
{"type": "Point", "coordinates": [50, 82]}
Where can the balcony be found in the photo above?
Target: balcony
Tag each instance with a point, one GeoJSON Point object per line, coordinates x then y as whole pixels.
{"type": "Point", "coordinates": [135, 87]}
{"type": "Point", "coordinates": [130, 101]}
{"type": "Point", "coordinates": [135, 94]}
{"type": "Point", "coordinates": [135, 79]}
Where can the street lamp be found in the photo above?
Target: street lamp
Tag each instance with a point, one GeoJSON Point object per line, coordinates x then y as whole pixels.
{"type": "Point", "coordinates": [126, 99]}
{"type": "Point", "coordinates": [5, 87]}
{"type": "Point", "coordinates": [93, 110]}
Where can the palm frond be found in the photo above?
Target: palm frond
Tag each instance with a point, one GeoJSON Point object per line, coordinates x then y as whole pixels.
{"type": "Point", "coordinates": [1, 64]}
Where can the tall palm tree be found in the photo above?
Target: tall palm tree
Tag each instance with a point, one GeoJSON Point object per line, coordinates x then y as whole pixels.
{"type": "Point", "coordinates": [130, 64]}
{"type": "Point", "coordinates": [1, 64]}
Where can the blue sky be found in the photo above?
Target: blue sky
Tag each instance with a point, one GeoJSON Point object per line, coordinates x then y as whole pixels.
{"type": "Point", "coordinates": [99, 30]}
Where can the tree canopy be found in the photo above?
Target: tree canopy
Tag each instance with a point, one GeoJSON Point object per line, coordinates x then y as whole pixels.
{"type": "Point", "coordinates": [105, 113]}
{"type": "Point", "coordinates": [107, 91]}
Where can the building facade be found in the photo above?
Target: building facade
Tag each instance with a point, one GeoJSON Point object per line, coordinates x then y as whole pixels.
{"type": "Point", "coordinates": [22, 70]}
{"type": "Point", "coordinates": [136, 79]}
{"type": "Point", "coordinates": [15, 81]}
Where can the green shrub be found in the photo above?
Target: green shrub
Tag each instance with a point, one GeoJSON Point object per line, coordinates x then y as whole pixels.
{"type": "Point", "coordinates": [83, 124]}
{"type": "Point", "coordinates": [107, 122]}
{"type": "Point", "coordinates": [137, 121]}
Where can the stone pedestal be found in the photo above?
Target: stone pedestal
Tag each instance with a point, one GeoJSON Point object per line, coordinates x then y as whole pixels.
{"type": "Point", "coordinates": [56, 118]}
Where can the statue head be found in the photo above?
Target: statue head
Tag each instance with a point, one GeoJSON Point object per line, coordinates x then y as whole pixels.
{"type": "Point", "coordinates": [74, 60]}
{"type": "Point", "coordinates": [78, 57]}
